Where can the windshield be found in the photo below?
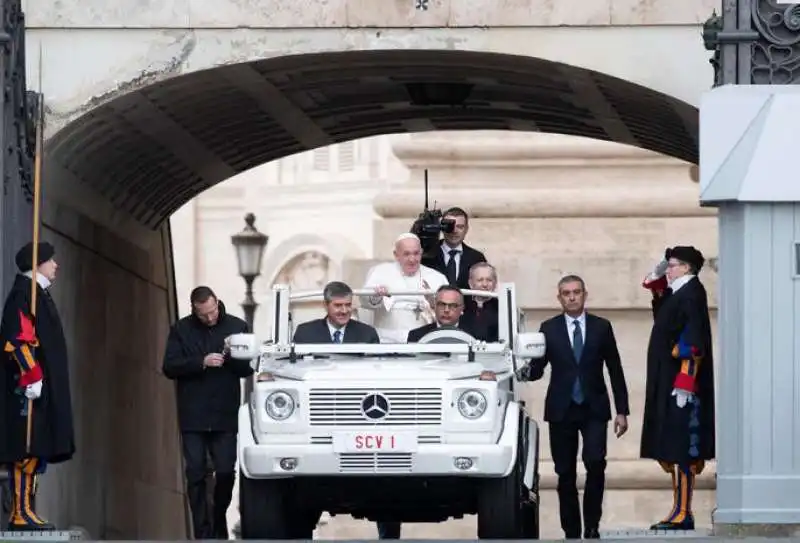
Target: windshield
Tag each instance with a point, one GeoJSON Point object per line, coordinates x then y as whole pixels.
{"type": "Point", "coordinates": [304, 314]}
{"type": "Point", "coordinates": [386, 324]}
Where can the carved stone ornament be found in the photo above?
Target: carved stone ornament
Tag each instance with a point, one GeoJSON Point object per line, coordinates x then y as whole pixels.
{"type": "Point", "coordinates": [775, 56]}
{"type": "Point", "coordinates": [307, 271]}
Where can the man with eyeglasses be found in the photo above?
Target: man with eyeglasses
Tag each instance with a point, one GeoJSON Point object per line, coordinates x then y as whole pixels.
{"type": "Point", "coordinates": [448, 308]}
{"type": "Point", "coordinates": [678, 427]}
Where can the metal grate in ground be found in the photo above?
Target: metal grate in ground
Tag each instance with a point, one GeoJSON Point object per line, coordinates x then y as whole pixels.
{"type": "Point", "coordinates": [55, 535]}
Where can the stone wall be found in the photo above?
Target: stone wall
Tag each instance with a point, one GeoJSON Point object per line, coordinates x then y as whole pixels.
{"type": "Point", "coordinates": [114, 296]}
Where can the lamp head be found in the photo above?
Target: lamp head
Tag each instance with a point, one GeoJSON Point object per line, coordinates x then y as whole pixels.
{"type": "Point", "coordinates": [249, 245]}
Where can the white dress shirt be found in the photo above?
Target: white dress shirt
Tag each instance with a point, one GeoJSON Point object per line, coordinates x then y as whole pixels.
{"type": "Point", "coordinates": [571, 327]}
{"type": "Point", "coordinates": [333, 329]}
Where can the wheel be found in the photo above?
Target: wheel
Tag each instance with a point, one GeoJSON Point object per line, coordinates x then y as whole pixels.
{"type": "Point", "coordinates": [262, 506]}
{"type": "Point", "coordinates": [506, 508]}
{"type": "Point", "coordinates": [499, 507]}
{"type": "Point", "coordinates": [303, 523]}
{"type": "Point", "coordinates": [530, 514]}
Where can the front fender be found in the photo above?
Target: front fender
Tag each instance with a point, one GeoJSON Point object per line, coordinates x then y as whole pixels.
{"type": "Point", "coordinates": [245, 438]}
{"type": "Point", "coordinates": [530, 477]}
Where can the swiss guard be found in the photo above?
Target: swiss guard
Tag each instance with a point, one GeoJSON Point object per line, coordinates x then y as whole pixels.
{"type": "Point", "coordinates": [678, 426]}
{"type": "Point", "coordinates": [36, 410]}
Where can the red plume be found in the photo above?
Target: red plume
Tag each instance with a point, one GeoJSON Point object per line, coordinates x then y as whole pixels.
{"type": "Point", "coordinates": [27, 332]}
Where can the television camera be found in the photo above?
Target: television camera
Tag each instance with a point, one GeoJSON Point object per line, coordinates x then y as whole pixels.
{"type": "Point", "coordinates": [430, 224]}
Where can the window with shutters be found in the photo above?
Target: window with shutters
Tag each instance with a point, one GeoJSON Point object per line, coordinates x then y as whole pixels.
{"type": "Point", "coordinates": [322, 159]}
{"type": "Point", "coordinates": [346, 156]}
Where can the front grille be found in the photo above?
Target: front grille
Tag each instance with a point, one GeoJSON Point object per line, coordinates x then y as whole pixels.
{"type": "Point", "coordinates": [375, 462]}
{"type": "Point", "coordinates": [342, 407]}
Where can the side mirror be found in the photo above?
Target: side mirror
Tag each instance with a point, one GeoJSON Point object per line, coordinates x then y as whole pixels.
{"type": "Point", "coordinates": [242, 346]}
{"type": "Point", "coordinates": [530, 345]}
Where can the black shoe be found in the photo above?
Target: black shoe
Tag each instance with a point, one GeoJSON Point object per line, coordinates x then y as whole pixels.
{"type": "Point", "coordinates": [44, 527]}
{"type": "Point", "coordinates": [591, 533]}
{"type": "Point", "coordinates": [683, 526]}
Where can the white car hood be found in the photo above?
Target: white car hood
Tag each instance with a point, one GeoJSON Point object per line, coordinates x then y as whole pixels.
{"type": "Point", "coordinates": [376, 368]}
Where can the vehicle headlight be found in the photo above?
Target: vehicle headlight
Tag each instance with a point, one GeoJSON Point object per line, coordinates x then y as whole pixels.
{"type": "Point", "coordinates": [472, 404]}
{"type": "Point", "coordinates": [280, 405]}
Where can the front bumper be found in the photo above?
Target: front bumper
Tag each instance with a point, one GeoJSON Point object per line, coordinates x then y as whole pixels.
{"type": "Point", "coordinates": [319, 460]}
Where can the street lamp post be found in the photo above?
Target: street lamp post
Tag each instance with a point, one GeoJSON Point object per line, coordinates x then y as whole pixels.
{"type": "Point", "coordinates": [249, 245]}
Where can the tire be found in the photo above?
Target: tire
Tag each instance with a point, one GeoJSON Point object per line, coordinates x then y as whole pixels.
{"type": "Point", "coordinates": [499, 511]}
{"type": "Point", "coordinates": [530, 514]}
{"type": "Point", "coordinates": [303, 523]}
{"type": "Point", "coordinates": [262, 506]}
{"type": "Point", "coordinates": [506, 508]}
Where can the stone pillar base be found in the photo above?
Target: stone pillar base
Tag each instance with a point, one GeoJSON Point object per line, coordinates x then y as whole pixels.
{"type": "Point", "coordinates": [756, 530]}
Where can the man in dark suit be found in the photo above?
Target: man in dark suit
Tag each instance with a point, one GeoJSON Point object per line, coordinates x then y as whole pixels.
{"type": "Point", "coordinates": [481, 315]}
{"type": "Point", "coordinates": [578, 345]}
{"type": "Point", "coordinates": [454, 257]}
{"type": "Point", "coordinates": [337, 325]}
{"type": "Point", "coordinates": [448, 307]}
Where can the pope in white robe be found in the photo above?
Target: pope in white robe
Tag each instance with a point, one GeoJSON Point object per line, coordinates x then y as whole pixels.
{"type": "Point", "coordinates": [393, 315]}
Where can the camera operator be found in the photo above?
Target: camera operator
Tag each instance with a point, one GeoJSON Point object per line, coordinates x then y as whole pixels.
{"type": "Point", "coordinates": [454, 258]}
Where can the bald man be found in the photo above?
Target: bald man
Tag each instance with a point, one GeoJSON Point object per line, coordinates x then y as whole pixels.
{"type": "Point", "coordinates": [394, 315]}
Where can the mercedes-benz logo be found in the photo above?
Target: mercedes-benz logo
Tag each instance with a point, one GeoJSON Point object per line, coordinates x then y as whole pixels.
{"type": "Point", "coordinates": [375, 406]}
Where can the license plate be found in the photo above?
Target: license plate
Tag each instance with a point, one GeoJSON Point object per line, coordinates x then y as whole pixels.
{"type": "Point", "coordinates": [355, 442]}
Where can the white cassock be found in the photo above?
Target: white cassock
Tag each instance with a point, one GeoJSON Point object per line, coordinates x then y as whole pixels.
{"type": "Point", "coordinates": [394, 315]}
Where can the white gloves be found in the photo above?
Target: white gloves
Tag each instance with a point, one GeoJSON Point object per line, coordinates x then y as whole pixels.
{"type": "Point", "coordinates": [659, 271]}
{"type": "Point", "coordinates": [682, 397]}
{"type": "Point", "coordinates": [34, 390]}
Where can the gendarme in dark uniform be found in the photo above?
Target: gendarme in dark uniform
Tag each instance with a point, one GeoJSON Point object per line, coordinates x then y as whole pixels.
{"type": "Point", "coordinates": [36, 425]}
{"type": "Point", "coordinates": [678, 425]}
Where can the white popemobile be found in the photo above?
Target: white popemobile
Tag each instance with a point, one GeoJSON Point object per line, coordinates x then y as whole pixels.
{"type": "Point", "coordinates": [396, 432]}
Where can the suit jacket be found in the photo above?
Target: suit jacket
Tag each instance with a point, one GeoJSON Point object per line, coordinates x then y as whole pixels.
{"type": "Point", "coordinates": [600, 347]}
{"type": "Point", "coordinates": [417, 333]}
{"type": "Point", "coordinates": [469, 258]}
{"type": "Point", "coordinates": [317, 331]}
{"type": "Point", "coordinates": [482, 323]}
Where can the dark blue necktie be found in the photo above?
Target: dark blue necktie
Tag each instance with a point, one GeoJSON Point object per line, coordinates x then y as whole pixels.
{"type": "Point", "coordinates": [577, 349]}
{"type": "Point", "coordinates": [337, 336]}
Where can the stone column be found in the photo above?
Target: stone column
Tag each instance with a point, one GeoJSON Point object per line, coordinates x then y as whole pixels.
{"type": "Point", "coordinates": [745, 170]}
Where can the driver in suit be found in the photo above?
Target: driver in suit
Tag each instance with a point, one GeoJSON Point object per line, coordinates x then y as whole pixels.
{"type": "Point", "coordinates": [336, 326]}
{"type": "Point", "coordinates": [448, 308]}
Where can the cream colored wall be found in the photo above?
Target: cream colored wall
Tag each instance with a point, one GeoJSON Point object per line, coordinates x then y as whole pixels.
{"type": "Point", "coordinates": [316, 208]}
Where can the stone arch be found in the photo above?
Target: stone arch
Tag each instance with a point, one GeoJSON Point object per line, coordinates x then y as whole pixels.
{"type": "Point", "coordinates": [152, 149]}
{"type": "Point", "coordinates": [119, 170]}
